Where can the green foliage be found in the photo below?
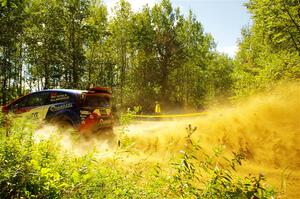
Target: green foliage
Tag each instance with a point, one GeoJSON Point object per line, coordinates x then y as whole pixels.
{"type": "Point", "coordinates": [125, 119]}
{"type": "Point", "coordinates": [210, 177]}
{"type": "Point", "coordinates": [32, 168]}
{"type": "Point", "coordinates": [12, 19]}
{"type": "Point", "coordinates": [155, 54]}
{"type": "Point", "coordinates": [279, 21]}
{"type": "Point", "coordinates": [269, 49]}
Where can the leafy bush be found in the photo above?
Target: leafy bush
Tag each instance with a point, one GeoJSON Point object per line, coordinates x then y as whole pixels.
{"type": "Point", "coordinates": [210, 178]}
{"type": "Point", "coordinates": [31, 168]}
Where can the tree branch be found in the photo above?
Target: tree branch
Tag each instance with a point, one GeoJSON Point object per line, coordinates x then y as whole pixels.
{"type": "Point", "coordinates": [293, 20]}
{"type": "Point", "coordinates": [294, 42]}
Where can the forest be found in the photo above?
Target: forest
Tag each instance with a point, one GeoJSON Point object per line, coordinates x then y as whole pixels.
{"type": "Point", "coordinates": [154, 54]}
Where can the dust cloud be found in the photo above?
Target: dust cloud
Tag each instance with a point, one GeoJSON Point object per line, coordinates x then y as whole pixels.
{"type": "Point", "coordinates": [266, 126]}
{"type": "Point", "coordinates": [78, 145]}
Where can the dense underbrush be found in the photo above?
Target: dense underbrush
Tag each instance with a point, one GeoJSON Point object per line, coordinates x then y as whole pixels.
{"type": "Point", "coordinates": [43, 168]}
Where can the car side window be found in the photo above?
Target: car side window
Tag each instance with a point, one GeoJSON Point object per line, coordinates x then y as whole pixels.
{"type": "Point", "coordinates": [21, 103]}
{"type": "Point", "coordinates": [38, 99]}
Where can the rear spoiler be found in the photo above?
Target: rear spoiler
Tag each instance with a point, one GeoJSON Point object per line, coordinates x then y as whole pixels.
{"type": "Point", "coordinates": [100, 90]}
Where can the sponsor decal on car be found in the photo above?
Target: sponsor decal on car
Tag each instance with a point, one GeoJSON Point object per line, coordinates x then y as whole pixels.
{"type": "Point", "coordinates": [55, 97]}
{"type": "Point", "coordinates": [83, 112]}
{"type": "Point", "coordinates": [60, 107]}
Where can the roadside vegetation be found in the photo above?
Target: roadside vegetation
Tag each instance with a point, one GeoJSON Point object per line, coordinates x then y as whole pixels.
{"type": "Point", "coordinates": [42, 168]}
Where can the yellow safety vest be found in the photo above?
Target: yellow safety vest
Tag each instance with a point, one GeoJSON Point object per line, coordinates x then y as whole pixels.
{"type": "Point", "coordinates": [157, 108]}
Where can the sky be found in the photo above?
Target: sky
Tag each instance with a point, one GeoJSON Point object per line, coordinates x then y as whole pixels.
{"type": "Point", "coordinates": [224, 19]}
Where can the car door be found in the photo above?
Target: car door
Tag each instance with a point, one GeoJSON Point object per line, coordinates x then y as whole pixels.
{"type": "Point", "coordinates": [19, 108]}
{"type": "Point", "coordinates": [38, 105]}
{"type": "Point", "coordinates": [33, 106]}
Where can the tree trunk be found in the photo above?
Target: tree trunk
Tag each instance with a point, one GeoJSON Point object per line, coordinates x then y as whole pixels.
{"type": "Point", "coordinates": [123, 71]}
{"type": "Point", "coordinates": [46, 70]}
{"type": "Point", "coordinates": [20, 72]}
{"type": "Point", "coordinates": [4, 84]}
{"type": "Point", "coordinates": [164, 80]}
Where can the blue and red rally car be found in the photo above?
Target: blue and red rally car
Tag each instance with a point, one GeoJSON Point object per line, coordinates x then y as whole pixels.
{"type": "Point", "coordinates": [83, 109]}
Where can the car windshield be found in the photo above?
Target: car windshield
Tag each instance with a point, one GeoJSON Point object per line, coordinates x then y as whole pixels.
{"type": "Point", "coordinates": [96, 101]}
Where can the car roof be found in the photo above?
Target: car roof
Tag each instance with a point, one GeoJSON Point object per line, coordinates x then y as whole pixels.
{"type": "Point", "coordinates": [71, 91]}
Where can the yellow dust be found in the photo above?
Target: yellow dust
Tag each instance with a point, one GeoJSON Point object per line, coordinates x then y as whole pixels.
{"type": "Point", "coordinates": [267, 126]}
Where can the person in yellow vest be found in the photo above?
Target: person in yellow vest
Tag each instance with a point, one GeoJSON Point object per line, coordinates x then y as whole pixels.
{"type": "Point", "coordinates": [157, 108]}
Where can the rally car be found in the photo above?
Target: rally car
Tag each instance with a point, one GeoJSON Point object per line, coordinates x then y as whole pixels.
{"type": "Point", "coordinates": [86, 110]}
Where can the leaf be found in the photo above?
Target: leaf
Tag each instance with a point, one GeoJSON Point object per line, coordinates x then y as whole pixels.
{"type": "Point", "coordinates": [4, 3]}
{"type": "Point", "coordinates": [75, 177]}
